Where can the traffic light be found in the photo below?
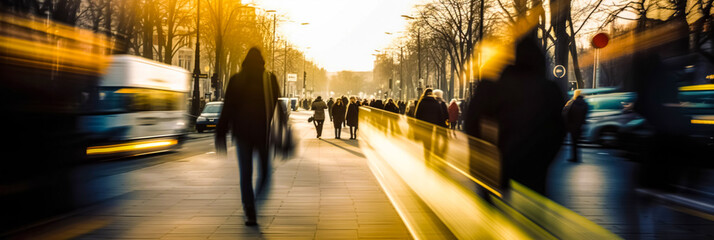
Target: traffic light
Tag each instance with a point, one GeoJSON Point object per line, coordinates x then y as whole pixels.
{"type": "Point", "coordinates": [304, 79]}
{"type": "Point", "coordinates": [390, 84]}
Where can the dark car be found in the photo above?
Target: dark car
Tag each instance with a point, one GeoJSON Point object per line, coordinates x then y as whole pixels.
{"type": "Point", "coordinates": [209, 117]}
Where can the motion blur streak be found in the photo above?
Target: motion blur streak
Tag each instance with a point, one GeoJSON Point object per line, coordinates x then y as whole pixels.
{"type": "Point", "coordinates": [699, 121]}
{"type": "Point", "coordinates": [458, 179]}
{"type": "Point", "coordinates": [700, 87]}
{"type": "Point", "coordinates": [47, 45]}
{"type": "Point", "coordinates": [130, 146]}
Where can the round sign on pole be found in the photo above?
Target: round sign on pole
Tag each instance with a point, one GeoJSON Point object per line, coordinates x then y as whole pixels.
{"type": "Point", "coordinates": [600, 40]}
{"type": "Point", "coordinates": [559, 71]}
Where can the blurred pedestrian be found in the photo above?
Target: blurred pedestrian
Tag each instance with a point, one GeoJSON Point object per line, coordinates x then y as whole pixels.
{"type": "Point", "coordinates": [391, 106]}
{"type": "Point", "coordinates": [253, 91]}
{"type": "Point", "coordinates": [329, 108]}
{"type": "Point", "coordinates": [431, 110]}
{"type": "Point", "coordinates": [339, 110]}
{"type": "Point", "coordinates": [379, 104]}
{"type": "Point", "coordinates": [402, 106]}
{"type": "Point", "coordinates": [574, 114]}
{"type": "Point", "coordinates": [345, 101]}
{"type": "Point", "coordinates": [319, 107]}
{"type": "Point", "coordinates": [411, 108]}
{"type": "Point", "coordinates": [454, 114]}
{"type": "Point", "coordinates": [527, 109]}
{"type": "Point", "coordinates": [352, 117]}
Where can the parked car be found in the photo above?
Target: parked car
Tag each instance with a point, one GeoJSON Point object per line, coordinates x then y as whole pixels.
{"type": "Point", "coordinates": [209, 116]}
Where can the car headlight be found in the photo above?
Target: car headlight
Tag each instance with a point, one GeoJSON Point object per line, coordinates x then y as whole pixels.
{"type": "Point", "coordinates": [201, 119]}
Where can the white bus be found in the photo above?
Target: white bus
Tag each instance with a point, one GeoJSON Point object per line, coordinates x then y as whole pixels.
{"type": "Point", "coordinates": [138, 107]}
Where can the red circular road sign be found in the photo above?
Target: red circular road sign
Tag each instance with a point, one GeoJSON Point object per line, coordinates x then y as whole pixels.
{"type": "Point", "coordinates": [600, 40]}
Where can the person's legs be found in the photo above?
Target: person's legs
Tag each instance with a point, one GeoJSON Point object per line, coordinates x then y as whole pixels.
{"type": "Point", "coordinates": [245, 165]}
{"type": "Point", "coordinates": [264, 169]}
{"type": "Point", "coordinates": [319, 127]}
{"type": "Point", "coordinates": [574, 138]}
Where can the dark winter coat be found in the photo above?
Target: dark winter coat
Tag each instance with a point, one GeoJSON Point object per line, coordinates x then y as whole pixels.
{"type": "Point", "coordinates": [338, 114]}
{"type": "Point", "coordinates": [352, 115]}
{"type": "Point", "coordinates": [432, 111]}
{"type": "Point", "coordinates": [391, 107]}
{"type": "Point", "coordinates": [574, 114]}
{"type": "Point", "coordinates": [244, 109]}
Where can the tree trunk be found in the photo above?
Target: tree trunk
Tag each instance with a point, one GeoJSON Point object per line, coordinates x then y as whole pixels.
{"type": "Point", "coordinates": [574, 55]}
{"type": "Point", "coordinates": [148, 41]}
{"type": "Point", "coordinates": [559, 12]}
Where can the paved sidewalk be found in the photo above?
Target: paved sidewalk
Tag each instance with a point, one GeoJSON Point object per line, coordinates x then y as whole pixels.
{"type": "Point", "coordinates": [325, 192]}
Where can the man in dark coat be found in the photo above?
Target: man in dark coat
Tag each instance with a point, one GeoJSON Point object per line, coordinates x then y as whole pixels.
{"type": "Point", "coordinates": [574, 114]}
{"type": "Point", "coordinates": [247, 110]}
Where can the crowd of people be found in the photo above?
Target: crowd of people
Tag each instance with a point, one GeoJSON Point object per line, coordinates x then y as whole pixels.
{"type": "Point", "coordinates": [343, 111]}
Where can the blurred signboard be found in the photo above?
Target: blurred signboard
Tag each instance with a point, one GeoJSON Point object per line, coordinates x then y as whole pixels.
{"type": "Point", "coordinates": [292, 77]}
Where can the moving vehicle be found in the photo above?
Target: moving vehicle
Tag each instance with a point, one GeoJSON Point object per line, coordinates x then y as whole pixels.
{"type": "Point", "coordinates": [137, 107]}
{"type": "Point", "coordinates": [607, 114]}
{"type": "Point", "coordinates": [209, 116]}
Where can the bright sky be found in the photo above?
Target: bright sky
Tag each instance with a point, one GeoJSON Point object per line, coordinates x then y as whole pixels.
{"type": "Point", "coordinates": [341, 34]}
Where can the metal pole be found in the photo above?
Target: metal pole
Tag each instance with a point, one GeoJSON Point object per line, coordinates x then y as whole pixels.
{"type": "Point", "coordinates": [195, 103]}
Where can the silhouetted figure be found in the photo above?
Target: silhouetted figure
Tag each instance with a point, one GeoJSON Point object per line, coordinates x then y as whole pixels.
{"type": "Point", "coordinates": [319, 107]}
{"type": "Point", "coordinates": [339, 110]}
{"type": "Point", "coordinates": [378, 104]}
{"type": "Point", "coordinates": [574, 114]}
{"type": "Point", "coordinates": [353, 117]}
{"type": "Point", "coordinates": [657, 95]}
{"type": "Point", "coordinates": [251, 97]}
{"type": "Point", "coordinates": [431, 110]}
{"type": "Point", "coordinates": [527, 109]}
{"type": "Point", "coordinates": [391, 106]}
{"type": "Point", "coordinates": [329, 107]}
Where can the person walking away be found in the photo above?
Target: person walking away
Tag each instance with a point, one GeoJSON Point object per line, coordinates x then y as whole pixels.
{"type": "Point", "coordinates": [255, 92]}
{"type": "Point", "coordinates": [319, 107]}
{"type": "Point", "coordinates": [574, 114]}
{"type": "Point", "coordinates": [329, 107]}
{"type": "Point", "coordinates": [429, 110]}
{"type": "Point", "coordinates": [453, 114]}
{"type": "Point", "coordinates": [352, 117]}
{"type": "Point", "coordinates": [402, 107]}
{"type": "Point", "coordinates": [338, 114]}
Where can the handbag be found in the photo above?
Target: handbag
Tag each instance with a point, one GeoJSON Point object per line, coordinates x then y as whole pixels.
{"type": "Point", "coordinates": [312, 118]}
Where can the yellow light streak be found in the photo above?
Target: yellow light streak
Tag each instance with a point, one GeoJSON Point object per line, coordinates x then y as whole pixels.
{"type": "Point", "coordinates": [702, 121]}
{"type": "Point", "coordinates": [134, 146]}
{"type": "Point", "coordinates": [702, 87]}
